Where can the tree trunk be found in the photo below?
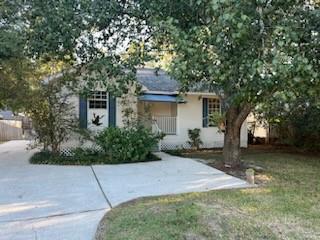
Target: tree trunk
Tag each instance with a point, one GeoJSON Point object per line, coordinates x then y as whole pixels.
{"type": "Point", "coordinates": [55, 148]}
{"type": "Point", "coordinates": [231, 148]}
{"type": "Point", "coordinates": [235, 116]}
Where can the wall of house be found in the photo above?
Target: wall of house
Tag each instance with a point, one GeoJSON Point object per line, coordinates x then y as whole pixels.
{"type": "Point", "coordinates": [189, 116]}
{"type": "Point", "coordinates": [119, 118]}
{"type": "Point", "coordinates": [163, 109]}
{"type": "Point", "coordinates": [260, 128]}
{"type": "Point", "coordinates": [158, 108]}
{"type": "Point", "coordinates": [129, 101]}
{"type": "Point", "coordinates": [75, 139]}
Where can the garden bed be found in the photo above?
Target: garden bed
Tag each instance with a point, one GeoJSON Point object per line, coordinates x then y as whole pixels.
{"type": "Point", "coordinates": [213, 157]}
{"type": "Point", "coordinates": [82, 158]}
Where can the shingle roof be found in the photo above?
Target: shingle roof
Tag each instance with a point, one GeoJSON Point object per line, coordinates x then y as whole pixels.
{"type": "Point", "coordinates": [156, 80]}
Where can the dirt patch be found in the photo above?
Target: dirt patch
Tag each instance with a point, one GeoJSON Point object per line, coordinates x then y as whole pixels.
{"type": "Point", "coordinates": [240, 171]}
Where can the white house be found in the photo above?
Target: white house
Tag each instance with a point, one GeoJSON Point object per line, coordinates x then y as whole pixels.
{"type": "Point", "coordinates": [170, 112]}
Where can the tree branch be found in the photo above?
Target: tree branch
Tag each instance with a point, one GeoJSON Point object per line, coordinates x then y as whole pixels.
{"type": "Point", "coordinates": [243, 114]}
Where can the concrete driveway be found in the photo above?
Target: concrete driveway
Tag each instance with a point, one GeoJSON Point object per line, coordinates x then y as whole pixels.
{"type": "Point", "coordinates": [67, 202]}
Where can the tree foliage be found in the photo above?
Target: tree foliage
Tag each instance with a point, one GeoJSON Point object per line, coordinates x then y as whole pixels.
{"type": "Point", "coordinates": [46, 42]}
{"type": "Point", "coordinates": [90, 37]}
{"type": "Point", "coordinates": [127, 144]}
{"type": "Point", "coordinates": [51, 114]}
{"type": "Point", "coordinates": [15, 69]}
{"type": "Point", "coordinates": [295, 118]}
{"type": "Point", "coordinates": [245, 51]}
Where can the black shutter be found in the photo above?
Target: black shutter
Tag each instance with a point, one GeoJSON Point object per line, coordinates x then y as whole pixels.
{"type": "Point", "coordinates": [204, 112]}
{"type": "Point", "coordinates": [83, 117]}
{"type": "Point", "coordinates": [112, 110]}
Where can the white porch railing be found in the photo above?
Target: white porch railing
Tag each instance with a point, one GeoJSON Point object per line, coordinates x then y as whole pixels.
{"type": "Point", "coordinates": [157, 130]}
{"type": "Point", "coordinates": [166, 124]}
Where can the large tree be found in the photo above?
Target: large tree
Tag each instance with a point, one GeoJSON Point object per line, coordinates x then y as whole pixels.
{"type": "Point", "coordinates": [74, 37]}
{"type": "Point", "coordinates": [245, 51]}
{"type": "Point", "coordinates": [90, 37]}
{"type": "Point", "coordinates": [15, 69]}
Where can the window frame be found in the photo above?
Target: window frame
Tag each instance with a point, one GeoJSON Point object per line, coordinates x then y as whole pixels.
{"type": "Point", "coordinates": [98, 100]}
{"type": "Point", "coordinates": [217, 101]}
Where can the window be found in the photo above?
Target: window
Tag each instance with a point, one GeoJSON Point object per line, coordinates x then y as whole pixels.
{"type": "Point", "coordinates": [98, 100]}
{"type": "Point", "coordinates": [213, 105]}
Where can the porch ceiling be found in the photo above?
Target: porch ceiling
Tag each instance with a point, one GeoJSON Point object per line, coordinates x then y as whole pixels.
{"type": "Point", "coordinates": [161, 98]}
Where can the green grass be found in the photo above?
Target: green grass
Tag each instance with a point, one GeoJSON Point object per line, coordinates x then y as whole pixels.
{"type": "Point", "coordinates": [80, 158]}
{"type": "Point", "coordinates": [286, 206]}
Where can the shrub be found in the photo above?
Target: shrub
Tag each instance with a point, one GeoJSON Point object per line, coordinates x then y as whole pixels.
{"type": "Point", "coordinates": [129, 144]}
{"type": "Point", "coordinates": [217, 120]}
{"type": "Point", "coordinates": [52, 115]}
{"type": "Point", "coordinates": [194, 136]}
{"type": "Point", "coordinates": [298, 127]}
{"type": "Point", "coordinates": [78, 157]}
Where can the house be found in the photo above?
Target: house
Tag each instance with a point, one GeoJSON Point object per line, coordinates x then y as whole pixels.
{"type": "Point", "coordinates": [261, 131]}
{"type": "Point", "coordinates": [166, 110]}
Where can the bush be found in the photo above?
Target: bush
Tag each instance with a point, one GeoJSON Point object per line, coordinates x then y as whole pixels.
{"type": "Point", "coordinates": [299, 127]}
{"type": "Point", "coordinates": [194, 136]}
{"type": "Point", "coordinates": [125, 145]}
{"type": "Point", "coordinates": [78, 156]}
{"type": "Point", "coordinates": [118, 145]}
{"type": "Point", "coordinates": [52, 115]}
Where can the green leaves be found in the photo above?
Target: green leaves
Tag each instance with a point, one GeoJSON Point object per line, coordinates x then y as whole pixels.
{"type": "Point", "coordinates": [257, 45]}
{"type": "Point", "coordinates": [194, 136]}
{"type": "Point", "coordinates": [130, 144]}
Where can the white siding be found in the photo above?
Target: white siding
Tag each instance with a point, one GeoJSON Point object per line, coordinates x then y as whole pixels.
{"type": "Point", "coordinates": [261, 128]}
{"type": "Point", "coordinates": [74, 100]}
{"type": "Point", "coordinates": [119, 119]}
{"type": "Point", "coordinates": [163, 109]}
{"type": "Point", "coordinates": [189, 116]}
{"type": "Point", "coordinates": [130, 101]}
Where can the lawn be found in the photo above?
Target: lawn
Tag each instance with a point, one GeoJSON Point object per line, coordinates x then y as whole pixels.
{"type": "Point", "coordinates": [285, 206]}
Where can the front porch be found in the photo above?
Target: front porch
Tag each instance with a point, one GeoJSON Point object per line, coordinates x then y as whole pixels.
{"type": "Point", "coordinates": [161, 116]}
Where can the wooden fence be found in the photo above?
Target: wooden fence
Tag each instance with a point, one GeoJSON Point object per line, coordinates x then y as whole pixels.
{"type": "Point", "coordinates": [10, 130]}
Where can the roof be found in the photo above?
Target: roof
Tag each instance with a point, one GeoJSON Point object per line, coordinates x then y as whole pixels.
{"type": "Point", "coordinates": [158, 81]}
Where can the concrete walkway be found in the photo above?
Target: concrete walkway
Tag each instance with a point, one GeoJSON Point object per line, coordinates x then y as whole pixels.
{"type": "Point", "coordinates": [67, 202]}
